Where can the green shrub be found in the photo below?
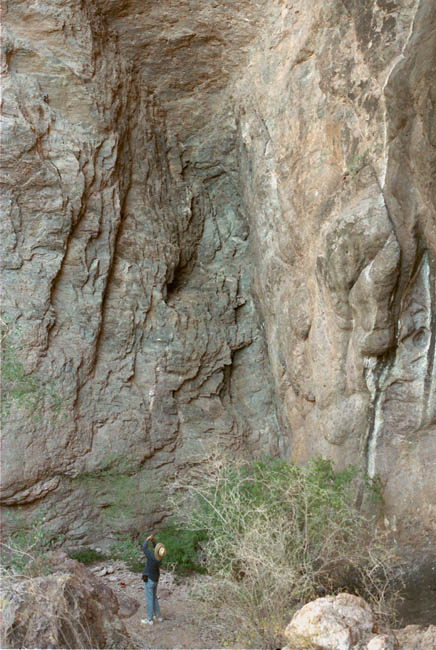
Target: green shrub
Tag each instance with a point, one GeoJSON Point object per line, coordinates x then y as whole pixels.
{"type": "Point", "coordinates": [181, 550]}
{"type": "Point", "coordinates": [22, 549]}
{"type": "Point", "coordinates": [182, 547]}
{"type": "Point", "coordinates": [129, 551]}
{"type": "Point", "coordinates": [87, 555]}
{"type": "Point", "coordinates": [277, 536]}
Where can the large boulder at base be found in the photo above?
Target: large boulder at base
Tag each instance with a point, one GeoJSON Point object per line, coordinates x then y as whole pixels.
{"type": "Point", "coordinates": [59, 562]}
{"type": "Point", "coordinates": [345, 622]}
{"type": "Point", "coordinates": [68, 608]}
{"type": "Point", "coordinates": [415, 637]}
{"type": "Point", "coordinates": [331, 623]}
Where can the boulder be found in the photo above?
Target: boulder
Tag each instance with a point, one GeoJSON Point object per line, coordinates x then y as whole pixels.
{"type": "Point", "coordinates": [127, 605]}
{"type": "Point", "coordinates": [331, 623]}
{"type": "Point", "coordinates": [345, 622]}
{"type": "Point", "coordinates": [383, 642]}
{"type": "Point", "coordinates": [67, 608]}
{"type": "Point", "coordinates": [416, 637]}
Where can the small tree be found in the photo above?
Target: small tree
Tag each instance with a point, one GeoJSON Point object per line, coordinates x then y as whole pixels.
{"type": "Point", "coordinates": [277, 536]}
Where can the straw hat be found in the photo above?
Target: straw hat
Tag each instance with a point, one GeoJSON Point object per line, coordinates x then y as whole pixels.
{"type": "Point", "coordinates": [159, 551]}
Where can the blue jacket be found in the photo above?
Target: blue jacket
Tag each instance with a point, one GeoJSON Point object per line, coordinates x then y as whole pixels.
{"type": "Point", "coordinates": [152, 568]}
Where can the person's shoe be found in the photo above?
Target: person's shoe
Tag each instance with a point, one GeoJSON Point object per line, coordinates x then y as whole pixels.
{"type": "Point", "coordinates": [145, 621]}
{"type": "Point", "coordinates": [159, 619]}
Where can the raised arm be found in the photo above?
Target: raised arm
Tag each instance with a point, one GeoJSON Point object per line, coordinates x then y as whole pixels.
{"type": "Point", "coordinates": [145, 548]}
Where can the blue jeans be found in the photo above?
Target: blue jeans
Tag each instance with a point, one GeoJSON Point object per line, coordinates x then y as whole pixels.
{"type": "Point", "coordinates": [151, 601]}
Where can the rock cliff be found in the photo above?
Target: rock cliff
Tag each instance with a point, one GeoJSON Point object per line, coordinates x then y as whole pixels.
{"type": "Point", "coordinates": [218, 229]}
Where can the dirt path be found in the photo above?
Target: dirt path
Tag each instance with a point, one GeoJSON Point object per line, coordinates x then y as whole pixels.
{"type": "Point", "coordinates": [180, 628]}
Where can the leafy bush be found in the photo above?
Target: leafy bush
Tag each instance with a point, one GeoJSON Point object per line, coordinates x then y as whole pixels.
{"type": "Point", "coordinates": [182, 546]}
{"type": "Point", "coordinates": [276, 536]}
{"type": "Point", "coordinates": [22, 550]}
{"type": "Point", "coordinates": [181, 550]}
{"type": "Point", "coordinates": [87, 555]}
{"type": "Point", "coordinates": [128, 550]}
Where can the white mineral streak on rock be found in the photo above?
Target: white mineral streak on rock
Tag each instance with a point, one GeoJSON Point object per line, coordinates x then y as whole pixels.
{"type": "Point", "coordinates": [376, 386]}
{"type": "Point", "coordinates": [385, 152]}
{"type": "Point", "coordinates": [335, 259]}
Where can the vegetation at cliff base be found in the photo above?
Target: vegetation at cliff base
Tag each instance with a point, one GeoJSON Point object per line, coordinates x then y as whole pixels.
{"type": "Point", "coordinates": [25, 541]}
{"type": "Point", "coordinates": [276, 536]}
{"type": "Point", "coordinates": [182, 546]}
{"type": "Point", "coordinates": [87, 555]}
{"type": "Point", "coordinates": [129, 551]}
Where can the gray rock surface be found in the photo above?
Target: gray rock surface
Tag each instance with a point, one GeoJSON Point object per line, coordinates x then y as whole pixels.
{"type": "Point", "coordinates": [218, 229]}
{"type": "Point", "coordinates": [126, 284]}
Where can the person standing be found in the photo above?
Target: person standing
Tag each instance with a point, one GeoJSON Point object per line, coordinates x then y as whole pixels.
{"type": "Point", "coordinates": [150, 576]}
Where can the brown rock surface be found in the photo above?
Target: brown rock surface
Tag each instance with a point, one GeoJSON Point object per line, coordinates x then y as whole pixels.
{"type": "Point", "coordinates": [337, 169]}
{"type": "Point", "coordinates": [219, 228]}
{"type": "Point", "coordinates": [70, 608]}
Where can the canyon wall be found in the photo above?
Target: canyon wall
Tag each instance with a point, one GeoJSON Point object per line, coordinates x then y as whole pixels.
{"type": "Point", "coordinates": [218, 230]}
{"type": "Point", "coordinates": [132, 339]}
{"type": "Point", "coordinates": [337, 161]}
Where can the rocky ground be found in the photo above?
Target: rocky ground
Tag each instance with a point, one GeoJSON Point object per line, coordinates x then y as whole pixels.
{"type": "Point", "coordinates": [181, 628]}
{"type": "Point", "coordinates": [72, 606]}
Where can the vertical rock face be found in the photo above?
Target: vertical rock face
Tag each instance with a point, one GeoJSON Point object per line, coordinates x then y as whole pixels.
{"type": "Point", "coordinates": [219, 228]}
{"type": "Point", "coordinates": [131, 334]}
{"type": "Point", "coordinates": [338, 172]}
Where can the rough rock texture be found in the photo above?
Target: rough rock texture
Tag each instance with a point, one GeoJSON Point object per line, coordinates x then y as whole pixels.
{"type": "Point", "coordinates": [70, 608]}
{"type": "Point", "coordinates": [414, 637]}
{"type": "Point", "coordinates": [345, 622]}
{"type": "Point", "coordinates": [337, 168]}
{"type": "Point", "coordinates": [219, 228]}
{"type": "Point", "coordinates": [127, 285]}
{"type": "Point", "coordinates": [338, 622]}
